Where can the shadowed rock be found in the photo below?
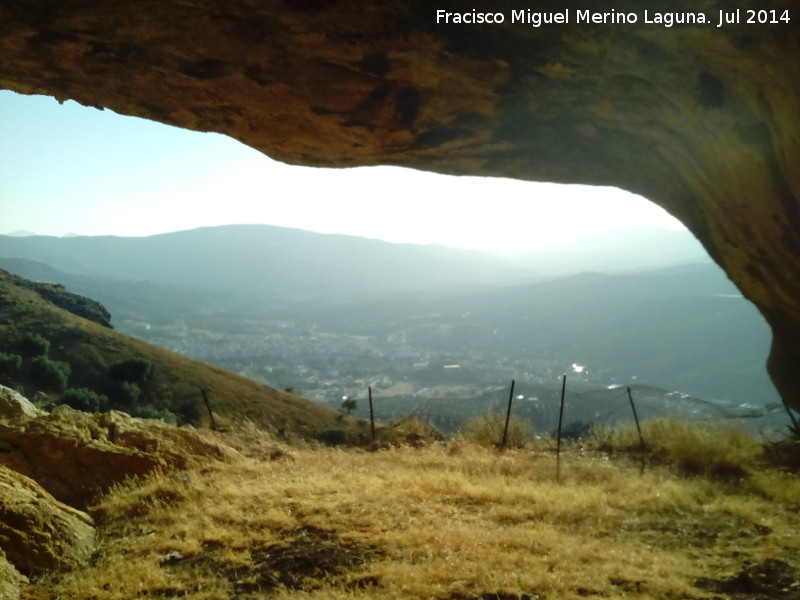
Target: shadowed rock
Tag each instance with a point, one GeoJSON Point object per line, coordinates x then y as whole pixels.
{"type": "Point", "coordinates": [37, 532]}
{"type": "Point", "coordinates": [10, 578]}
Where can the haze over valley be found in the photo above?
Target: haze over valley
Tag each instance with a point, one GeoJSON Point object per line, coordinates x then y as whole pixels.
{"type": "Point", "coordinates": [434, 330]}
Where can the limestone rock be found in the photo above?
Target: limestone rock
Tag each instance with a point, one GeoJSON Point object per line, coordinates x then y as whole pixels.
{"type": "Point", "coordinates": [700, 119]}
{"type": "Point", "coordinates": [16, 407]}
{"type": "Point", "coordinates": [37, 532]}
{"type": "Point", "coordinates": [76, 456]}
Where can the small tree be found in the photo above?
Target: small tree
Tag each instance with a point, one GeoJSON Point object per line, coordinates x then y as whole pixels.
{"type": "Point", "coordinates": [349, 404]}
{"type": "Point", "coordinates": [33, 344]}
{"type": "Point", "coordinates": [51, 374]}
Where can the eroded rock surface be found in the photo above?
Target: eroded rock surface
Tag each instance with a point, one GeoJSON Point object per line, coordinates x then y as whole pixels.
{"type": "Point", "coordinates": [11, 580]}
{"type": "Point", "coordinates": [700, 119]}
{"type": "Point", "coordinates": [37, 532]}
{"type": "Point", "coordinates": [76, 456]}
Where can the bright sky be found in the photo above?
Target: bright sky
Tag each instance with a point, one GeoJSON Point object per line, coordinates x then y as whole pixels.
{"type": "Point", "coordinates": [71, 169]}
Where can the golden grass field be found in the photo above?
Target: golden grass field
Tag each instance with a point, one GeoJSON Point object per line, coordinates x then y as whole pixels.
{"type": "Point", "coordinates": [448, 520]}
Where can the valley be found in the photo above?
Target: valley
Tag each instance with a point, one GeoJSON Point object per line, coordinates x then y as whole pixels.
{"type": "Point", "coordinates": [435, 332]}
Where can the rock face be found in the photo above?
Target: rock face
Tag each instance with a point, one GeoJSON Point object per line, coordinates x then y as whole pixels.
{"type": "Point", "coordinates": [70, 457]}
{"type": "Point", "coordinates": [698, 118]}
{"type": "Point", "coordinates": [38, 533]}
{"type": "Point", "coordinates": [76, 456]}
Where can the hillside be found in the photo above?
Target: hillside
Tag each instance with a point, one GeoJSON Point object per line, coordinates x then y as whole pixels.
{"type": "Point", "coordinates": [176, 382]}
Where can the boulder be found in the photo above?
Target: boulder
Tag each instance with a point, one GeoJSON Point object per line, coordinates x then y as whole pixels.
{"type": "Point", "coordinates": [77, 456]}
{"type": "Point", "coordinates": [37, 532]}
{"type": "Point", "coordinates": [16, 407]}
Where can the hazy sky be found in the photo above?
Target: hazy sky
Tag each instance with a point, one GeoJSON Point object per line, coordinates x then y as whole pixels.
{"type": "Point", "coordinates": [70, 169]}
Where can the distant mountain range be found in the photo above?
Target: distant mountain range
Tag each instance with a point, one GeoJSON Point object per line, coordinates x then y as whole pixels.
{"type": "Point", "coordinates": [27, 233]}
{"type": "Point", "coordinates": [262, 262]}
{"type": "Point", "coordinates": [252, 259]}
{"type": "Point", "coordinates": [21, 233]}
{"type": "Point", "coordinates": [644, 306]}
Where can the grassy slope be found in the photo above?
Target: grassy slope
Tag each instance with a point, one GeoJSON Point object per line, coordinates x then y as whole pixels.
{"type": "Point", "coordinates": [451, 521]}
{"type": "Point", "coordinates": [91, 348]}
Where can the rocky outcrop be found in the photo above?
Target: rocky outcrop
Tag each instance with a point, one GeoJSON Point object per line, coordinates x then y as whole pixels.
{"type": "Point", "coordinates": [14, 407]}
{"type": "Point", "coordinates": [77, 456]}
{"type": "Point", "coordinates": [700, 119]}
{"type": "Point", "coordinates": [37, 532]}
{"type": "Point", "coordinates": [51, 463]}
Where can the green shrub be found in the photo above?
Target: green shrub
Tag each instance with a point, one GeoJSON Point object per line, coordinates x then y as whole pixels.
{"type": "Point", "coordinates": [50, 374]}
{"type": "Point", "coordinates": [33, 344]}
{"type": "Point", "coordinates": [85, 399]}
{"type": "Point", "coordinates": [488, 431]}
{"type": "Point", "coordinates": [137, 370]}
{"type": "Point", "coordinates": [10, 364]}
{"type": "Point", "coordinates": [148, 411]}
{"type": "Point", "coordinates": [128, 393]}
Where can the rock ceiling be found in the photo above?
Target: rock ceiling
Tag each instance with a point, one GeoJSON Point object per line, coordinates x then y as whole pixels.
{"type": "Point", "coordinates": [701, 119]}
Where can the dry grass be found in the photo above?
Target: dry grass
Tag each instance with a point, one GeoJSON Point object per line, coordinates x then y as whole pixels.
{"type": "Point", "coordinates": [488, 431]}
{"type": "Point", "coordinates": [691, 449]}
{"type": "Point", "coordinates": [446, 521]}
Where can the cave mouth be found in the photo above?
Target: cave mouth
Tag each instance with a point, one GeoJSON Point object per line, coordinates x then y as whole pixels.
{"type": "Point", "coordinates": [115, 173]}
